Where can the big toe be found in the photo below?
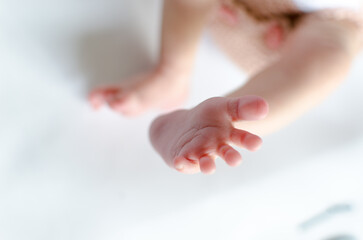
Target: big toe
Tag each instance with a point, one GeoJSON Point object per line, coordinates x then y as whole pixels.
{"type": "Point", "coordinates": [248, 108]}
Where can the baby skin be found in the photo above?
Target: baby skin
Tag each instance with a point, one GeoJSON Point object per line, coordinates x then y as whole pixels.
{"type": "Point", "coordinates": [190, 140]}
{"type": "Point", "coordinates": [162, 88]}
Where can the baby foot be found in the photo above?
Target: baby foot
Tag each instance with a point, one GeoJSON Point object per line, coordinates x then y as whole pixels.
{"type": "Point", "coordinates": [190, 140]}
{"type": "Point", "coordinates": [160, 89]}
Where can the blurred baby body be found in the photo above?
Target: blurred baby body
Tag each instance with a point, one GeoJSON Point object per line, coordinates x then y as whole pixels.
{"type": "Point", "coordinates": [252, 33]}
{"type": "Point", "coordinates": [279, 43]}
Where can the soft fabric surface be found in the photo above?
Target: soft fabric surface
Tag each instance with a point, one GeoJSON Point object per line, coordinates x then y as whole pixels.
{"type": "Point", "coordinates": [67, 172]}
{"type": "Point", "coordinates": [312, 5]}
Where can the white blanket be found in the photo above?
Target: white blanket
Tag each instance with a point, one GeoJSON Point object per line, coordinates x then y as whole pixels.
{"type": "Point", "coordinates": [313, 5]}
{"type": "Point", "coordinates": [68, 172]}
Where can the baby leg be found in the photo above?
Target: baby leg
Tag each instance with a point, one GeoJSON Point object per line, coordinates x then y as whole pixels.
{"type": "Point", "coordinates": [190, 140]}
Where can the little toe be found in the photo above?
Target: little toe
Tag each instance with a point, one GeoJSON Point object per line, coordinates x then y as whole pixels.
{"type": "Point", "coordinates": [247, 108]}
{"type": "Point", "coordinates": [186, 166]}
{"type": "Point", "coordinates": [231, 156]}
{"type": "Point", "coordinates": [99, 96]}
{"type": "Point", "coordinates": [207, 165]}
{"type": "Point", "coordinates": [245, 139]}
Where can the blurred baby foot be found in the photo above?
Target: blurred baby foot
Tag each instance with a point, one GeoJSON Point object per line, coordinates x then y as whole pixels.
{"type": "Point", "coordinates": [154, 90]}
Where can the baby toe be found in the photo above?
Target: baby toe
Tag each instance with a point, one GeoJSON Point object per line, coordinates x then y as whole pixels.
{"type": "Point", "coordinates": [118, 104]}
{"type": "Point", "coordinates": [207, 165]}
{"type": "Point", "coordinates": [99, 96]}
{"type": "Point", "coordinates": [231, 156]}
{"type": "Point", "coordinates": [253, 142]}
{"type": "Point", "coordinates": [245, 139]}
{"type": "Point", "coordinates": [126, 104]}
{"type": "Point", "coordinates": [187, 166]}
{"type": "Point", "coordinates": [247, 108]}
{"type": "Point", "coordinates": [96, 99]}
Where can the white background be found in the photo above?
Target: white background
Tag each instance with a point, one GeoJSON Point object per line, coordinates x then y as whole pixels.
{"type": "Point", "coordinates": [68, 172]}
{"type": "Point", "coordinates": [311, 5]}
